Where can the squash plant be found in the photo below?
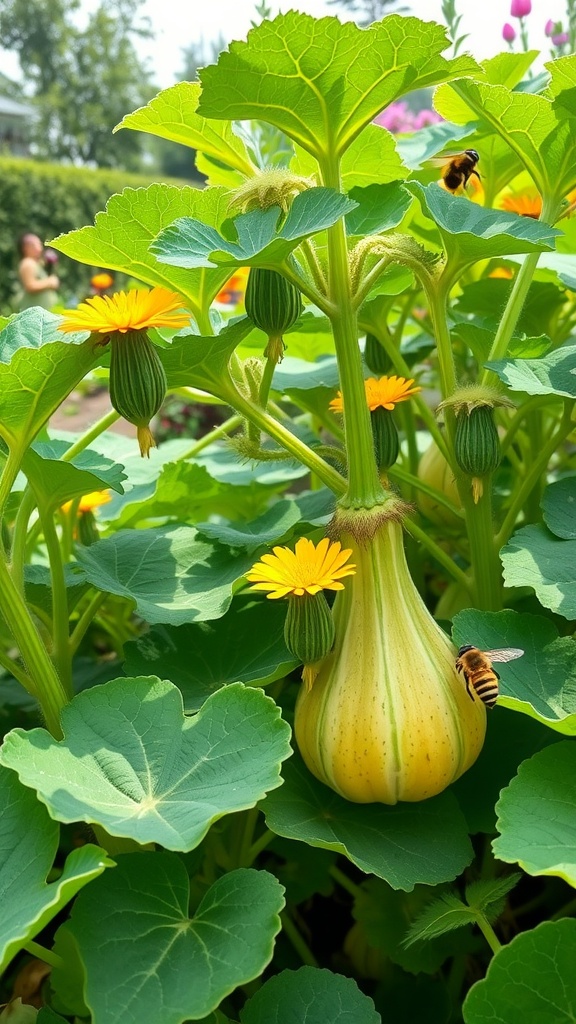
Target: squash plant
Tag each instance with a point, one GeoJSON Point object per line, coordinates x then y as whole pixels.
{"type": "Point", "coordinates": [241, 778]}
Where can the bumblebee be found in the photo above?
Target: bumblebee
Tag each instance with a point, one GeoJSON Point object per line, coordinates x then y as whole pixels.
{"type": "Point", "coordinates": [476, 667]}
{"type": "Point", "coordinates": [457, 168]}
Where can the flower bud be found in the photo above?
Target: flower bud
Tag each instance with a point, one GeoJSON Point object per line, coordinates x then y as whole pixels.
{"type": "Point", "coordinates": [388, 718]}
{"type": "Point", "coordinates": [376, 357]}
{"type": "Point", "coordinates": [550, 27]}
{"type": "Point", "coordinates": [274, 305]}
{"type": "Point", "coordinates": [385, 435]}
{"type": "Point", "coordinates": [477, 445]}
{"type": "Point", "coordinates": [560, 38]}
{"type": "Point", "coordinates": [508, 33]}
{"type": "Point", "coordinates": [309, 632]}
{"type": "Point", "coordinates": [520, 8]}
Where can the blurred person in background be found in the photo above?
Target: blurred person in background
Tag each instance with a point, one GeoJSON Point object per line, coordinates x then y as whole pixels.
{"type": "Point", "coordinates": [38, 286]}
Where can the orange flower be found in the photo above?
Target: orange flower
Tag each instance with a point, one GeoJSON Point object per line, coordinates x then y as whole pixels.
{"type": "Point", "coordinates": [384, 393]}
{"type": "Point", "coordinates": [102, 281]}
{"type": "Point", "coordinates": [126, 311]}
{"type": "Point", "coordinates": [235, 286]}
{"type": "Point", "coordinates": [523, 204]}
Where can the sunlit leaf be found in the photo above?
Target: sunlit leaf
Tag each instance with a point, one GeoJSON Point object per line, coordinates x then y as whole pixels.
{"type": "Point", "coordinates": [172, 115]}
{"type": "Point", "coordinates": [161, 777]}
{"type": "Point", "coordinates": [191, 243]}
{"type": "Point", "coordinates": [55, 482]}
{"type": "Point", "coordinates": [171, 573]}
{"type": "Point", "coordinates": [322, 81]}
{"type": "Point", "coordinates": [554, 374]}
{"type": "Point", "coordinates": [372, 157]}
{"type": "Point", "coordinates": [160, 963]}
{"type": "Point", "coordinates": [380, 208]}
{"type": "Point", "coordinates": [536, 814]}
{"type": "Point", "coordinates": [471, 232]}
{"type": "Point", "coordinates": [121, 237]}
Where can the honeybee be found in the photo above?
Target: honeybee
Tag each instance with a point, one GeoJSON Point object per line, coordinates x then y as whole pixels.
{"type": "Point", "coordinates": [476, 667]}
{"type": "Point", "coordinates": [457, 168]}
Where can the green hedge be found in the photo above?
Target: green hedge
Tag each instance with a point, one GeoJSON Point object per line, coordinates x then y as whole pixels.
{"type": "Point", "coordinates": [48, 199]}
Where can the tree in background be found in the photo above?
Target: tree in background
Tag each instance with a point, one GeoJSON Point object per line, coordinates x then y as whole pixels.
{"type": "Point", "coordinates": [81, 80]}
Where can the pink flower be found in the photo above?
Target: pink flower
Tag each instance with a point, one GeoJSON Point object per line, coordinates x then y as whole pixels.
{"type": "Point", "coordinates": [549, 27]}
{"type": "Point", "coordinates": [520, 8]}
{"type": "Point", "coordinates": [560, 38]}
{"type": "Point", "coordinates": [508, 32]}
{"type": "Point", "coordinates": [426, 117]}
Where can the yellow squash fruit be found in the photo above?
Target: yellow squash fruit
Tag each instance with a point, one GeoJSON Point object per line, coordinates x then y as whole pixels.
{"type": "Point", "coordinates": [388, 718]}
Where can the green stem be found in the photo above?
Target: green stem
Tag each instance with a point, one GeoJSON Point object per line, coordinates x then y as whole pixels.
{"type": "Point", "coordinates": [60, 615]}
{"type": "Point", "coordinates": [266, 382]}
{"type": "Point", "coordinates": [14, 669]}
{"type": "Point", "coordinates": [518, 295]}
{"type": "Point", "coordinates": [48, 687]}
{"type": "Point", "coordinates": [566, 911]}
{"type": "Point", "coordinates": [364, 486]}
{"type": "Point", "coordinates": [260, 844]}
{"type": "Point", "coordinates": [436, 295]}
{"type": "Point", "coordinates": [46, 955]}
{"type": "Point", "coordinates": [90, 435]}
{"type": "Point", "coordinates": [298, 942]}
{"type": "Point", "coordinates": [314, 265]}
{"type": "Point", "coordinates": [441, 556]}
{"type": "Point", "coordinates": [486, 569]}
{"type": "Point", "coordinates": [77, 635]}
{"type": "Point", "coordinates": [9, 474]}
{"type": "Point", "coordinates": [213, 435]}
{"type": "Point", "coordinates": [534, 474]}
{"type": "Point", "coordinates": [346, 883]}
{"type": "Point", "coordinates": [244, 858]}
{"type": "Point", "coordinates": [520, 414]}
{"type": "Point", "coordinates": [488, 933]}
{"type": "Point", "coordinates": [291, 443]}
{"type": "Point", "coordinates": [399, 473]}
{"type": "Point", "coordinates": [19, 537]}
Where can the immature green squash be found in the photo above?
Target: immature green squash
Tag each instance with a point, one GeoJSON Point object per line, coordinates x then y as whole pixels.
{"type": "Point", "coordinates": [274, 305]}
{"type": "Point", "coordinates": [137, 382]}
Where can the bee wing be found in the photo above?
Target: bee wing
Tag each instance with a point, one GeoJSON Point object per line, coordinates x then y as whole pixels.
{"type": "Point", "coordinates": [505, 654]}
{"type": "Point", "coordinates": [442, 161]}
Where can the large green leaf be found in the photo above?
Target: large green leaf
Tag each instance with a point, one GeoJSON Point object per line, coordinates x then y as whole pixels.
{"type": "Point", "coordinates": [202, 362]}
{"type": "Point", "coordinates": [554, 374]}
{"type": "Point", "coordinates": [538, 133]}
{"type": "Point", "coordinates": [34, 328]}
{"type": "Point", "coordinates": [121, 237]}
{"type": "Point", "coordinates": [559, 507]}
{"type": "Point", "coordinates": [171, 574]}
{"type": "Point", "coordinates": [36, 381]}
{"type": "Point", "coordinates": [309, 996]}
{"type": "Point", "coordinates": [542, 683]}
{"type": "Point", "coordinates": [201, 657]}
{"type": "Point", "coordinates": [191, 243]}
{"type": "Point", "coordinates": [172, 115]}
{"type": "Point", "coordinates": [406, 844]}
{"type": "Point", "coordinates": [322, 81]}
{"type": "Point", "coordinates": [471, 232]}
{"type": "Point", "coordinates": [380, 208]}
{"type": "Point", "coordinates": [28, 845]}
{"type": "Point", "coordinates": [534, 557]}
{"type": "Point", "coordinates": [154, 775]}
{"type": "Point", "coordinates": [161, 965]}
{"type": "Point", "coordinates": [537, 814]}
{"type": "Point", "coordinates": [269, 528]}
{"type": "Point", "coordinates": [55, 482]}
{"type": "Point", "coordinates": [530, 980]}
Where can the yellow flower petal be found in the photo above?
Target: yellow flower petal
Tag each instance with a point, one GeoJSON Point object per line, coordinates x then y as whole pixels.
{"type": "Point", "coordinates": [308, 569]}
{"type": "Point", "coordinates": [384, 393]}
{"type": "Point", "coordinates": [126, 311]}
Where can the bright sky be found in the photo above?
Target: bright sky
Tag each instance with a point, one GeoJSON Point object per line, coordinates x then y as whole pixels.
{"type": "Point", "coordinates": [177, 23]}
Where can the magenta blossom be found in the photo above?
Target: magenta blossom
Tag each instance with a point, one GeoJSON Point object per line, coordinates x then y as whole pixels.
{"type": "Point", "coordinates": [549, 27]}
{"type": "Point", "coordinates": [520, 8]}
{"type": "Point", "coordinates": [560, 38]}
{"type": "Point", "coordinates": [399, 118]}
{"type": "Point", "coordinates": [508, 33]}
